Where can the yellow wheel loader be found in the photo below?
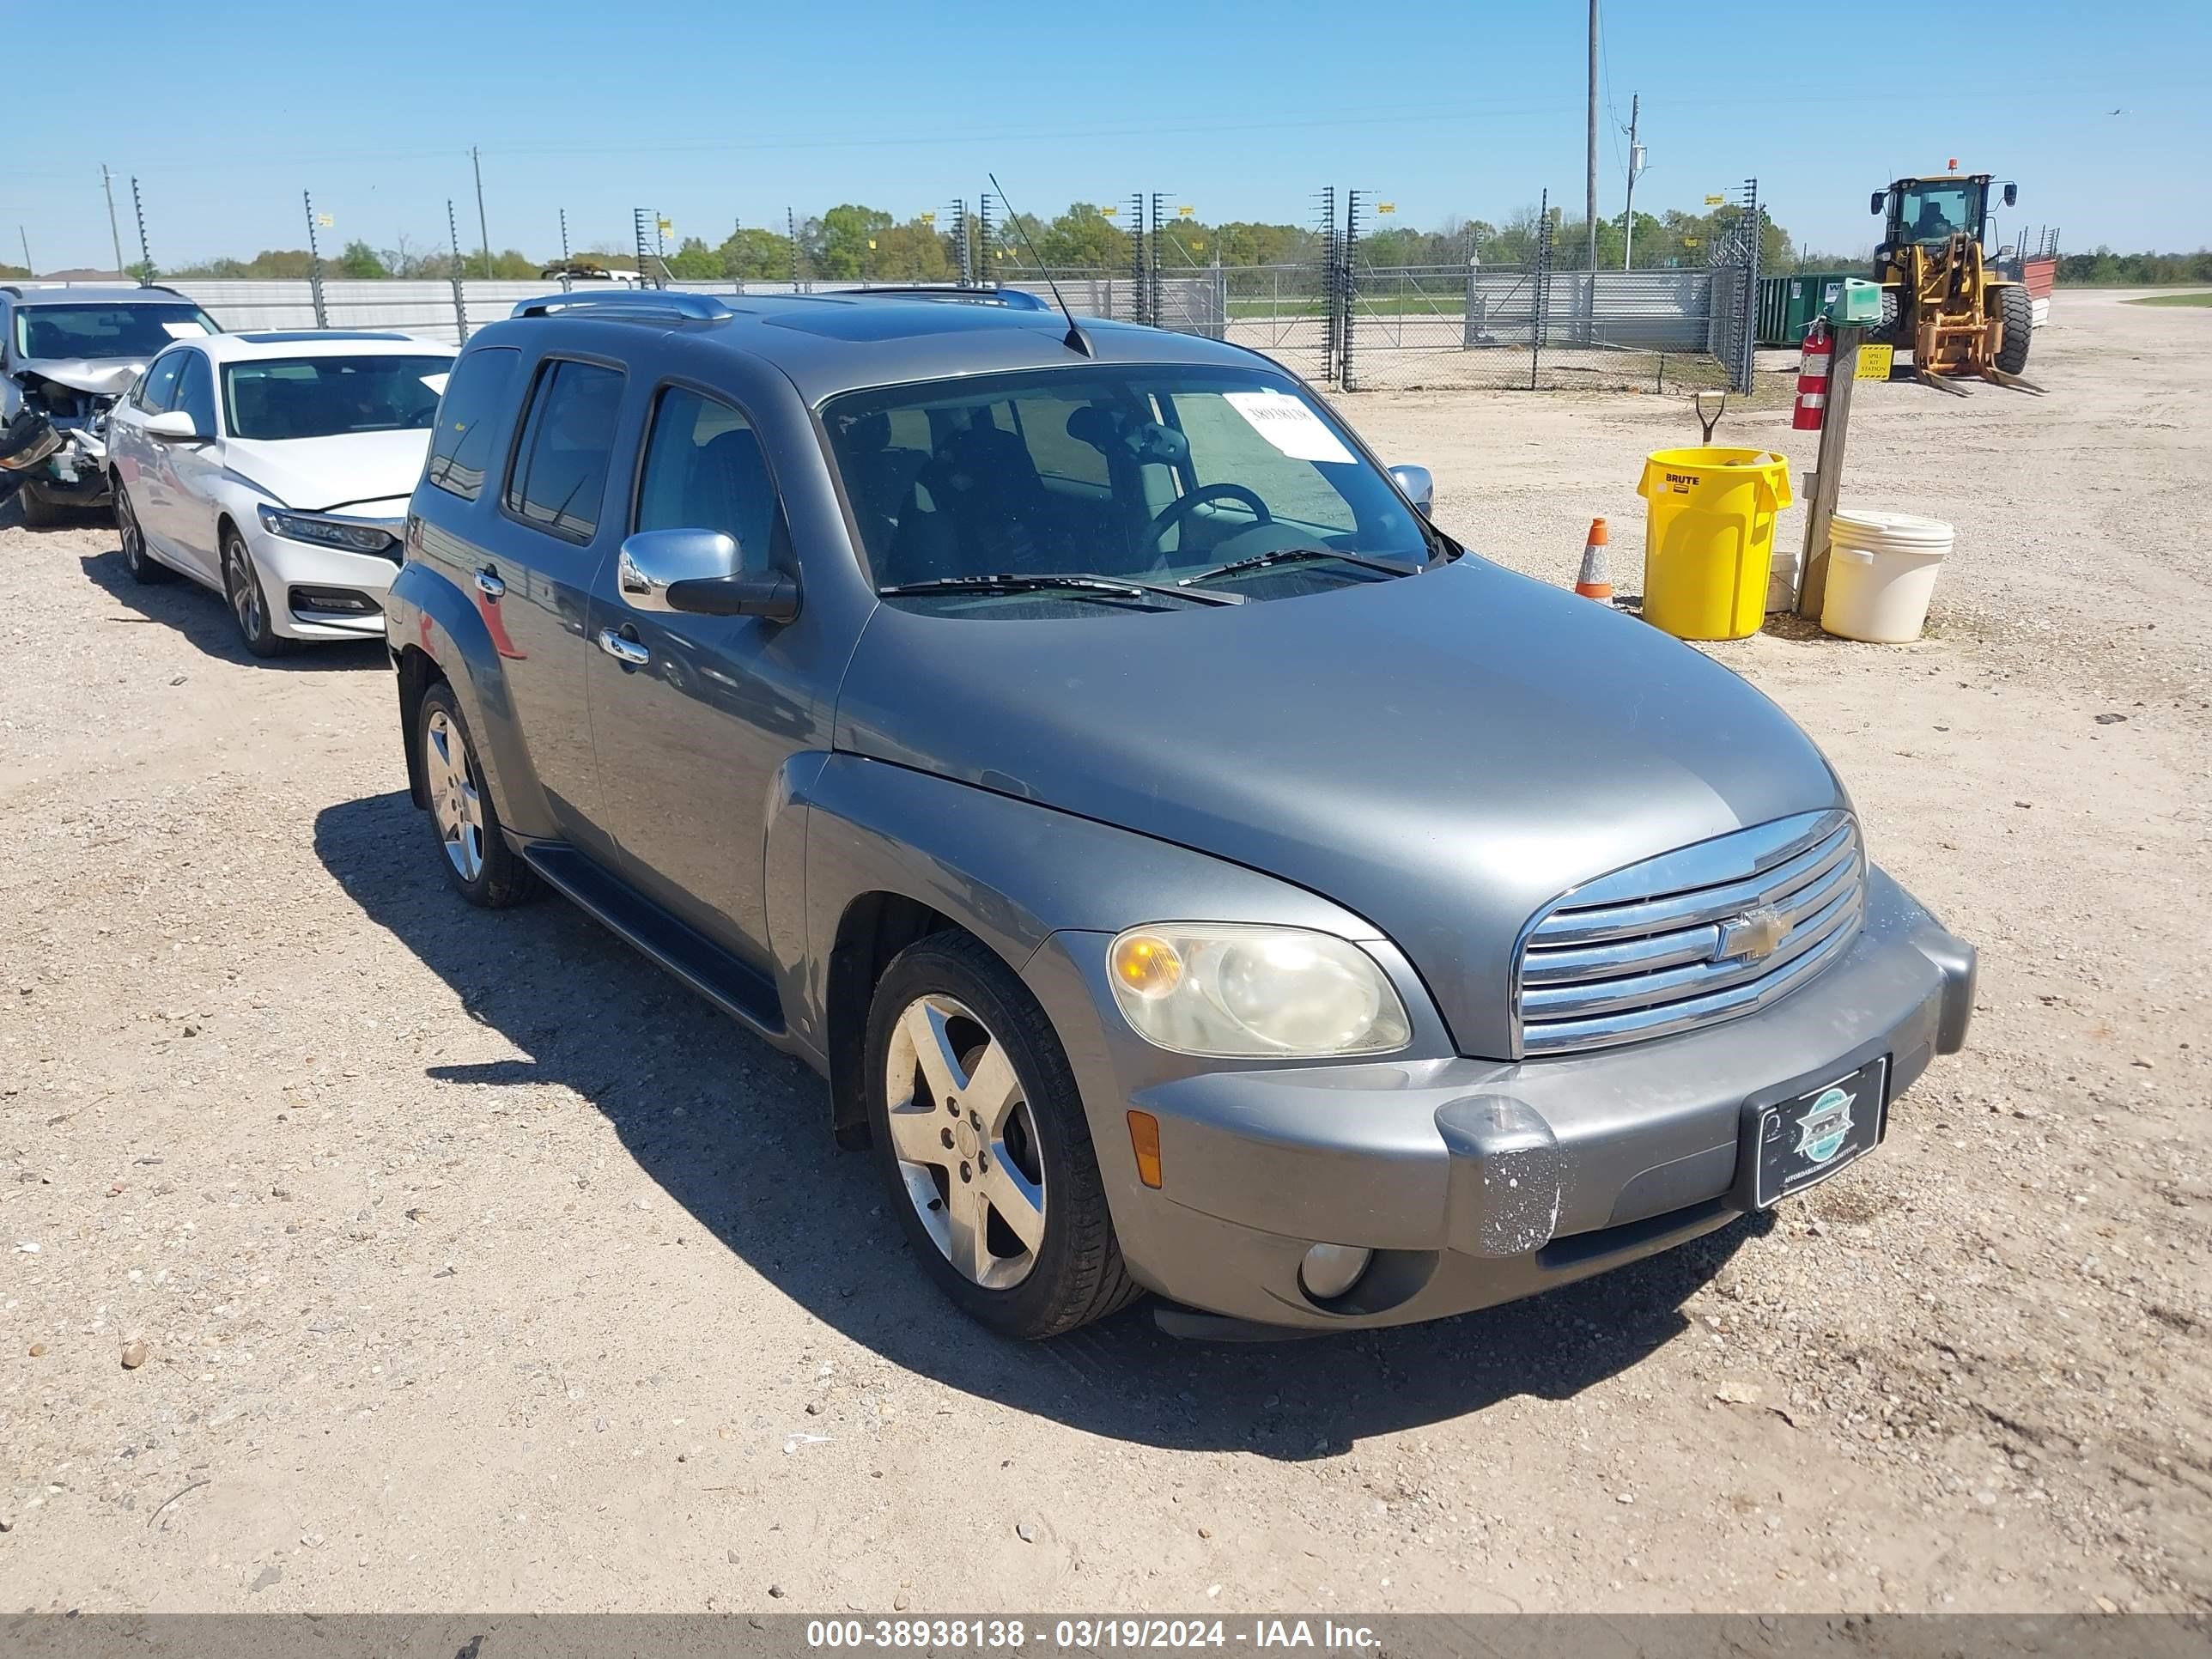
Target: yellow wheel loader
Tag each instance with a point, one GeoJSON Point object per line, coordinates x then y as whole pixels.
{"type": "Point", "coordinates": [1938, 299]}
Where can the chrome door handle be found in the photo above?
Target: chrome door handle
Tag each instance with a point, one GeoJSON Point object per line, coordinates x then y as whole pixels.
{"type": "Point", "coordinates": [623, 650]}
{"type": "Point", "coordinates": [488, 583]}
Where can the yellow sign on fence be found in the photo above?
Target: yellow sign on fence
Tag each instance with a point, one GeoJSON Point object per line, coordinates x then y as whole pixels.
{"type": "Point", "coordinates": [1874, 362]}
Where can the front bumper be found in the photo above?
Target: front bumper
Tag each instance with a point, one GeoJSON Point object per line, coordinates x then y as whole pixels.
{"type": "Point", "coordinates": [288, 567]}
{"type": "Point", "coordinates": [1478, 1181]}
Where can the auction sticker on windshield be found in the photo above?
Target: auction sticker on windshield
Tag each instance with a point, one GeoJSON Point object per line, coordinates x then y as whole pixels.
{"type": "Point", "coordinates": [1289, 424]}
{"type": "Point", "coordinates": [186, 330]}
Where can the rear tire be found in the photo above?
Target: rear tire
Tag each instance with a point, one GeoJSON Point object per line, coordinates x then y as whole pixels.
{"type": "Point", "coordinates": [2018, 311]}
{"type": "Point", "coordinates": [472, 848]}
{"type": "Point", "coordinates": [38, 512]}
{"type": "Point", "coordinates": [142, 565]}
{"type": "Point", "coordinates": [1001, 1198]}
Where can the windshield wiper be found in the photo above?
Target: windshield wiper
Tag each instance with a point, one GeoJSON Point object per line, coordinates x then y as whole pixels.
{"type": "Point", "coordinates": [1298, 556]}
{"type": "Point", "coordinates": [1009, 582]}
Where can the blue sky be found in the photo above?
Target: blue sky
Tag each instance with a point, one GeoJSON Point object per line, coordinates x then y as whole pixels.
{"type": "Point", "coordinates": [713, 112]}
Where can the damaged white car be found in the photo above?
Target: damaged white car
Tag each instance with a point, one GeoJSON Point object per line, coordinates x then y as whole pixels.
{"type": "Point", "coordinates": [66, 355]}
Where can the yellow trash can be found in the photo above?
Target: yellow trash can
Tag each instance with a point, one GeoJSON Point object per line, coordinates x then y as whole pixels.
{"type": "Point", "coordinates": [1708, 539]}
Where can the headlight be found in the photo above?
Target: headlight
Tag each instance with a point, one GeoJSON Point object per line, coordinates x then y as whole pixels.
{"type": "Point", "coordinates": [349, 534]}
{"type": "Point", "coordinates": [1236, 992]}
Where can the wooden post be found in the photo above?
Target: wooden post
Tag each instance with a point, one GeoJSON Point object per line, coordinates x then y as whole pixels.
{"type": "Point", "coordinates": [1828, 471]}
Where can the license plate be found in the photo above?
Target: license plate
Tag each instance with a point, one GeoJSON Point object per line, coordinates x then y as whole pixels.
{"type": "Point", "coordinates": [1801, 1142]}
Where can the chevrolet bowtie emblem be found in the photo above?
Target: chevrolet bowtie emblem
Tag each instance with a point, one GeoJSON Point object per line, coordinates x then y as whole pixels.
{"type": "Point", "coordinates": [1754, 936]}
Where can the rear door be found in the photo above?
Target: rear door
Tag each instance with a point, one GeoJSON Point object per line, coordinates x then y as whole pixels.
{"type": "Point", "coordinates": [551, 531]}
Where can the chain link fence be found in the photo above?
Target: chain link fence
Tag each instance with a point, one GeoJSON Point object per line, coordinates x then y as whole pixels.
{"type": "Point", "coordinates": [1541, 319]}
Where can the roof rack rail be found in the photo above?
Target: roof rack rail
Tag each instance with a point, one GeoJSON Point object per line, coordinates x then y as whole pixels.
{"type": "Point", "coordinates": [1014, 298]}
{"type": "Point", "coordinates": [636, 302]}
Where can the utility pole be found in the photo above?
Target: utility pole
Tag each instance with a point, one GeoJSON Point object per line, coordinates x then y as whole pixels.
{"type": "Point", "coordinates": [107, 185]}
{"type": "Point", "coordinates": [1635, 172]}
{"type": "Point", "coordinates": [485, 230]}
{"type": "Point", "coordinates": [1589, 211]}
{"type": "Point", "coordinates": [27, 266]}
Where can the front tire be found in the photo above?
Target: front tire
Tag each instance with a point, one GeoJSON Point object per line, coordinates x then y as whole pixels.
{"type": "Point", "coordinates": [142, 564]}
{"type": "Point", "coordinates": [981, 1135]}
{"type": "Point", "coordinates": [1890, 331]}
{"type": "Point", "coordinates": [39, 511]}
{"type": "Point", "coordinates": [472, 850]}
{"type": "Point", "coordinates": [249, 606]}
{"type": "Point", "coordinates": [2018, 310]}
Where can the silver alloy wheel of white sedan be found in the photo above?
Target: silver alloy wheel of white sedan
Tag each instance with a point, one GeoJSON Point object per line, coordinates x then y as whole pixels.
{"type": "Point", "coordinates": [454, 800]}
{"type": "Point", "coordinates": [966, 1141]}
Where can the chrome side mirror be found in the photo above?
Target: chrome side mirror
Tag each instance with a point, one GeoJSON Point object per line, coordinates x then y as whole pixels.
{"type": "Point", "coordinates": [653, 561]}
{"type": "Point", "coordinates": [696, 572]}
{"type": "Point", "coordinates": [1418, 484]}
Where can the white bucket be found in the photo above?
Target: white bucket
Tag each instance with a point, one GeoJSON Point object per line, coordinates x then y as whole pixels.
{"type": "Point", "coordinates": [1882, 574]}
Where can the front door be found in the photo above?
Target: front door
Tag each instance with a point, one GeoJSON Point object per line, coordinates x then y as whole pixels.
{"type": "Point", "coordinates": [149, 465]}
{"type": "Point", "coordinates": [195, 468]}
{"type": "Point", "coordinates": [691, 738]}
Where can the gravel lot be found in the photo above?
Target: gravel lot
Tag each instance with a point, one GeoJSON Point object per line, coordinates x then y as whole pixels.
{"type": "Point", "coordinates": [365, 1252]}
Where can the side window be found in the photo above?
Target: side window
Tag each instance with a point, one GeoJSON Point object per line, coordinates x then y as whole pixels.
{"type": "Point", "coordinates": [160, 391]}
{"type": "Point", "coordinates": [703, 471]}
{"type": "Point", "coordinates": [480, 389]}
{"type": "Point", "coordinates": [196, 392]}
{"type": "Point", "coordinates": [560, 470]}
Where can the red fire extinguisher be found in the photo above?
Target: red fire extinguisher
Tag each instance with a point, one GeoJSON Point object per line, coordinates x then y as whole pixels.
{"type": "Point", "coordinates": [1813, 379]}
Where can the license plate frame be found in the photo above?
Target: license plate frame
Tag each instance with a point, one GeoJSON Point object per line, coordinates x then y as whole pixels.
{"type": "Point", "coordinates": [1787, 1135]}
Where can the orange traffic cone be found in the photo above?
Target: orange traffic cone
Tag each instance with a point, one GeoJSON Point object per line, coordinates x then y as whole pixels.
{"type": "Point", "coordinates": [1596, 581]}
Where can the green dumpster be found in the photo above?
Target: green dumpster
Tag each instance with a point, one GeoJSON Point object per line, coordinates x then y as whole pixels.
{"type": "Point", "coordinates": [1788, 305]}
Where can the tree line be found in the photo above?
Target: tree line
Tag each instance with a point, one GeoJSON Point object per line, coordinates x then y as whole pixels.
{"type": "Point", "coordinates": [853, 242]}
{"type": "Point", "coordinates": [2102, 268]}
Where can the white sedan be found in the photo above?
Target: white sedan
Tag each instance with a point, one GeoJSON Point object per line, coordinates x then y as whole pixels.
{"type": "Point", "coordinates": [276, 469]}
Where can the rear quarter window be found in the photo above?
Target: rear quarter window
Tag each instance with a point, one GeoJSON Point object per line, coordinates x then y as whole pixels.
{"type": "Point", "coordinates": [480, 393]}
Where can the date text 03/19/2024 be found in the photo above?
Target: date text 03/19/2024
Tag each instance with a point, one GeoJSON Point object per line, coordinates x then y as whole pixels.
{"type": "Point", "coordinates": [1079, 1634]}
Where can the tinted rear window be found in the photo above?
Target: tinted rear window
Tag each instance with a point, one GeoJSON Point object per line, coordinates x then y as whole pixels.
{"type": "Point", "coordinates": [567, 439]}
{"type": "Point", "coordinates": [481, 391]}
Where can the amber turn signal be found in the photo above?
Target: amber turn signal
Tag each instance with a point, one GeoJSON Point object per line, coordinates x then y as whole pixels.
{"type": "Point", "coordinates": [1145, 1141]}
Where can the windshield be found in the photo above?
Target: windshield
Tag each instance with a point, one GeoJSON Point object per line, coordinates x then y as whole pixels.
{"type": "Point", "coordinates": [1139, 472]}
{"type": "Point", "coordinates": [276, 398]}
{"type": "Point", "coordinates": [1932, 212]}
{"type": "Point", "coordinates": [102, 332]}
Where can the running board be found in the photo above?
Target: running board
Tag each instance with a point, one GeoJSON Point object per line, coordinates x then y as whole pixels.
{"type": "Point", "coordinates": [738, 989]}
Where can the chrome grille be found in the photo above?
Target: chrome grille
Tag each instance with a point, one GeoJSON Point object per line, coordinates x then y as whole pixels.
{"type": "Point", "coordinates": [1693, 937]}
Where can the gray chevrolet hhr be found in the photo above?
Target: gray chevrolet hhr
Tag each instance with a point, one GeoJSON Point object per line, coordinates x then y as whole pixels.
{"type": "Point", "coordinates": [1191, 869]}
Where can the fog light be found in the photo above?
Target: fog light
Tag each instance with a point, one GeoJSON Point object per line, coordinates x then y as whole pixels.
{"type": "Point", "coordinates": [1330, 1270]}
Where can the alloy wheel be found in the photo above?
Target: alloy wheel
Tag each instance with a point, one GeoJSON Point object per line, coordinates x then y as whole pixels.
{"type": "Point", "coordinates": [966, 1141]}
{"type": "Point", "coordinates": [126, 523]}
{"type": "Point", "coordinates": [245, 590]}
{"type": "Point", "coordinates": [456, 802]}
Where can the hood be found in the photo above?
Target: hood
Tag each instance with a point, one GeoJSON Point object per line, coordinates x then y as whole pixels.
{"type": "Point", "coordinates": [369, 474]}
{"type": "Point", "coordinates": [1442, 753]}
{"type": "Point", "coordinates": [103, 377]}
